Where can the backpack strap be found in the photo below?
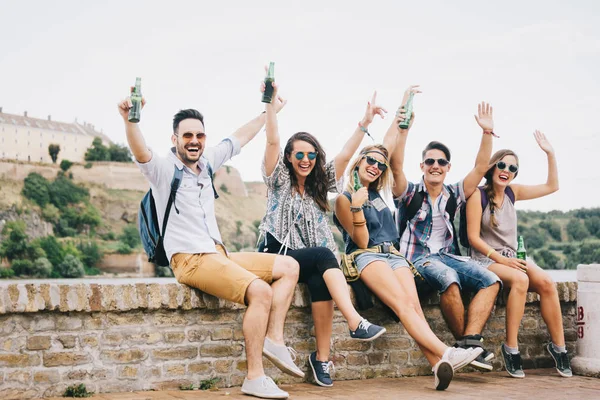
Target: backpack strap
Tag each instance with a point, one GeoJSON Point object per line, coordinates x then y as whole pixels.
{"type": "Point", "coordinates": [485, 200]}
{"type": "Point", "coordinates": [511, 195]}
{"type": "Point", "coordinates": [451, 207]}
{"type": "Point", "coordinates": [175, 182]}
{"type": "Point", "coordinates": [411, 209]}
{"type": "Point", "coordinates": [212, 182]}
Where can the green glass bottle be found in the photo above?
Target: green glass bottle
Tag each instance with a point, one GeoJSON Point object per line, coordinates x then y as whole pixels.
{"type": "Point", "coordinates": [135, 111]}
{"type": "Point", "coordinates": [269, 79]}
{"type": "Point", "coordinates": [408, 107]}
{"type": "Point", "coordinates": [521, 252]}
{"type": "Point", "coordinates": [357, 184]}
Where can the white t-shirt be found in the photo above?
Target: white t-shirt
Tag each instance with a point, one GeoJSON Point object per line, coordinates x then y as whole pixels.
{"type": "Point", "coordinates": [438, 229]}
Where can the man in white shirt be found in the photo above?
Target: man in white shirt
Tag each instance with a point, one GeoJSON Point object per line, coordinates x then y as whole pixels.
{"type": "Point", "coordinates": [263, 282]}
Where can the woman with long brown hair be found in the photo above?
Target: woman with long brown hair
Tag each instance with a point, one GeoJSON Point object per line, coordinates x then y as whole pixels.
{"type": "Point", "coordinates": [296, 224]}
{"type": "Point", "coordinates": [492, 232]}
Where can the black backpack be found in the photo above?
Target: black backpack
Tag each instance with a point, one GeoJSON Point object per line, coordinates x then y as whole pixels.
{"type": "Point", "coordinates": [462, 230]}
{"type": "Point", "coordinates": [415, 205]}
{"type": "Point", "coordinates": [151, 236]}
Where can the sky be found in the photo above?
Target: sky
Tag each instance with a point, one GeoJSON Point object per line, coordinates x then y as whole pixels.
{"type": "Point", "coordinates": [534, 61]}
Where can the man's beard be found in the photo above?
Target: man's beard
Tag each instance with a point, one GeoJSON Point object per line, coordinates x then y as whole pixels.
{"type": "Point", "coordinates": [183, 154]}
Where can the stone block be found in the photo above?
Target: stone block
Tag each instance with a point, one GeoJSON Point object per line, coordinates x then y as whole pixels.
{"type": "Point", "coordinates": [126, 356]}
{"type": "Point", "coordinates": [174, 370]}
{"type": "Point", "coordinates": [377, 358]}
{"type": "Point", "coordinates": [356, 359]}
{"type": "Point", "coordinates": [221, 333]}
{"type": "Point", "coordinates": [398, 357]}
{"type": "Point", "coordinates": [351, 345]}
{"type": "Point", "coordinates": [223, 366]}
{"type": "Point", "coordinates": [392, 343]}
{"type": "Point", "coordinates": [199, 368]}
{"type": "Point", "coordinates": [38, 343]}
{"type": "Point", "coordinates": [66, 359]}
{"type": "Point", "coordinates": [68, 323]}
{"type": "Point", "coordinates": [176, 353]}
{"type": "Point", "coordinates": [198, 335]}
{"type": "Point", "coordinates": [129, 372]}
{"type": "Point", "coordinates": [174, 337]}
{"type": "Point", "coordinates": [47, 376]}
{"type": "Point", "coordinates": [67, 341]}
{"type": "Point", "coordinates": [88, 341]}
{"type": "Point", "coordinates": [45, 323]}
{"type": "Point", "coordinates": [18, 394]}
{"type": "Point", "coordinates": [125, 319]}
{"type": "Point", "coordinates": [170, 319]}
{"type": "Point", "coordinates": [13, 360]}
{"type": "Point", "coordinates": [20, 376]}
{"type": "Point", "coordinates": [221, 350]}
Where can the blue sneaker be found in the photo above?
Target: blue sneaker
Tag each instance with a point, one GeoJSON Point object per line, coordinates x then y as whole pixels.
{"type": "Point", "coordinates": [563, 365]}
{"type": "Point", "coordinates": [367, 331]}
{"type": "Point", "coordinates": [513, 363]}
{"type": "Point", "coordinates": [320, 370]}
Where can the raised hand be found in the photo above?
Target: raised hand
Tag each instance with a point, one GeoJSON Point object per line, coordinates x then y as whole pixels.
{"type": "Point", "coordinates": [541, 140]}
{"type": "Point", "coordinates": [372, 110]}
{"type": "Point", "coordinates": [124, 105]}
{"type": "Point", "coordinates": [485, 117]}
{"type": "Point", "coordinates": [277, 101]}
{"type": "Point", "coordinates": [400, 114]}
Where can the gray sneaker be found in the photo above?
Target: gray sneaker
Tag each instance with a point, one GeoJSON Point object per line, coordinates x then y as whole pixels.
{"type": "Point", "coordinates": [281, 356]}
{"type": "Point", "coordinates": [459, 357]}
{"type": "Point", "coordinates": [367, 331]}
{"type": "Point", "coordinates": [263, 387]}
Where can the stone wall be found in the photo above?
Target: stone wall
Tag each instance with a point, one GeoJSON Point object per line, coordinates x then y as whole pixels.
{"type": "Point", "coordinates": [154, 334]}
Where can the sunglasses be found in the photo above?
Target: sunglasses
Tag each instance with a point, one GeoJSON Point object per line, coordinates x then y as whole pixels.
{"type": "Point", "coordinates": [372, 161]}
{"type": "Point", "coordinates": [511, 167]}
{"type": "Point", "coordinates": [189, 135]}
{"type": "Point", "coordinates": [311, 155]}
{"type": "Point", "coordinates": [442, 162]}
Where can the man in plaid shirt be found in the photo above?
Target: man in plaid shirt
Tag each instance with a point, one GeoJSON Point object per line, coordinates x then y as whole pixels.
{"type": "Point", "coordinates": [428, 240]}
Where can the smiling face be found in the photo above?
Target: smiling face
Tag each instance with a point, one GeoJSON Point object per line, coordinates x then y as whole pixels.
{"type": "Point", "coordinates": [189, 141]}
{"type": "Point", "coordinates": [302, 167]}
{"type": "Point", "coordinates": [503, 178]}
{"type": "Point", "coordinates": [369, 167]}
{"type": "Point", "coordinates": [434, 174]}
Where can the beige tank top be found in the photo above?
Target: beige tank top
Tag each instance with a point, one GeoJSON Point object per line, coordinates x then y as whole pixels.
{"type": "Point", "coordinates": [502, 238]}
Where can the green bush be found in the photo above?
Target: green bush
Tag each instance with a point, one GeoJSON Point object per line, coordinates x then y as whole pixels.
{"type": "Point", "coordinates": [65, 165]}
{"type": "Point", "coordinates": [22, 267]}
{"type": "Point", "coordinates": [97, 151]}
{"type": "Point", "coordinates": [42, 268]}
{"type": "Point", "coordinates": [91, 254]}
{"type": "Point", "coordinates": [110, 235]}
{"type": "Point", "coordinates": [552, 228]}
{"type": "Point", "coordinates": [14, 244]}
{"type": "Point", "coordinates": [577, 230]}
{"type": "Point", "coordinates": [124, 248]}
{"type": "Point", "coordinates": [36, 188]}
{"type": "Point", "coordinates": [51, 214]}
{"type": "Point", "coordinates": [77, 391]}
{"type": "Point", "coordinates": [130, 236]}
{"type": "Point", "coordinates": [63, 192]}
{"type": "Point", "coordinates": [6, 273]}
{"type": "Point", "coordinates": [119, 153]}
{"type": "Point", "coordinates": [53, 249]}
{"type": "Point", "coordinates": [71, 267]}
{"type": "Point", "coordinates": [87, 165]}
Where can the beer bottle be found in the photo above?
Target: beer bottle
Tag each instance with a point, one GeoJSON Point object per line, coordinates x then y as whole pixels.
{"type": "Point", "coordinates": [521, 252]}
{"type": "Point", "coordinates": [357, 184]}
{"type": "Point", "coordinates": [136, 102]}
{"type": "Point", "coordinates": [269, 79]}
{"type": "Point", "coordinates": [408, 107]}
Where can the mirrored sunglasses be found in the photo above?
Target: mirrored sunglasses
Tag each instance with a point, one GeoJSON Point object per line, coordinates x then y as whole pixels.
{"type": "Point", "coordinates": [442, 162]}
{"type": "Point", "coordinates": [372, 161]}
{"type": "Point", "coordinates": [511, 167]}
{"type": "Point", "coordinates": [311, 155]}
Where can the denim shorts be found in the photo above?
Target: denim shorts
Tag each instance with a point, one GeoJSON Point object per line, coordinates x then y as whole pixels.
{"type": "Point", "coordinates": [442, 270]}
{"type": "Point", "coordinates": [393, 260]}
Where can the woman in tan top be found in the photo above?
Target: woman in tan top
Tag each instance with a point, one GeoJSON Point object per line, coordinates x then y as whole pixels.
{"type": "Point", "coordinates": [492, 232]}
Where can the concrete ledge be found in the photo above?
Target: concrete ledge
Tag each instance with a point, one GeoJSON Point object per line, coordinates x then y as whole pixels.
{"type": "Point", "coordinates": [100, 295]}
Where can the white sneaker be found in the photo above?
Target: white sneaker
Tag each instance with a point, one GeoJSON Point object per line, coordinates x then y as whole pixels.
{"type": "Point", "coordinates": [263, 387]}
{"type": "Point", "coordinates": [443, 373]}
{"type": "Point", "coordinates": [459, 357]}
{"type": "Point", "coordinates": [283, 358]}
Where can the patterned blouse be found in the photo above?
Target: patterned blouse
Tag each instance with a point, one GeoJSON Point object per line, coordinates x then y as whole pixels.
{"type": "Point", "coordinates": [296, 221]}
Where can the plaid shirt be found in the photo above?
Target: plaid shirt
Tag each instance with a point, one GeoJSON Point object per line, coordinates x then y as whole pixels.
{"type": "Point", "coordinates": [413, 242]}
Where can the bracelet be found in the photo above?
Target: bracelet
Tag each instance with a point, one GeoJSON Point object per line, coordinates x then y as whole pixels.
{"type": "Point", "coordinates": [362, 128]}
{"type": "Point", "coordinates": [355, 209]}
{"type": "Point", "coordinates": [490, 251]}
{"type": "Point", "coordinates": [490, 133]}
{"type": "Point", "coordinates": [359, 223]}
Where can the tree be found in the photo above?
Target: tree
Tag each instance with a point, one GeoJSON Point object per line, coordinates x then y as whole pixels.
{"type": "Point", "coordinates": [546, 259]}
{"type": "Point", "coordinates": [70, 267]}
{"type": "Point", "coordinates": [35, 188]}
{"type": "Point", "coordinates": [534, 238]}
{"type": "Point", "coordinates": [593, 225]}
{"type": "Point", "coordinates": [91, 253]}
{"type": "Point", "coordinates": [130, 236]}
{"type": "Point", "coordinates": [577, 230]}
{"type": "Point", "coordinates": [53, 249]}
{"type": "Point", "coordinates": [14, 243]}
{"type": "Point", "coordinates": [64, 192]}
{"type": "Point", "coordinates": [65, 165]}
{"type": "Point", "coordinates": [552, 228]}
{"type": "Point", "coordinates": [53, 150]}
{"type": "Point", "coordinates": [97, 152]}
{"type": "Point", "coordinates": [40, 268]}
{"type": "Point", "coordinates": [119, 153]}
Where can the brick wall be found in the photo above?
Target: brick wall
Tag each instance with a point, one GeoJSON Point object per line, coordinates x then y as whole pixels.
{"type": "Point", "coordinates": [138, 334]}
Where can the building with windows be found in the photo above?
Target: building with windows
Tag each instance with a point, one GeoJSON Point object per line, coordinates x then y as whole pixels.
{"type": "Point", "coordinates": [25, 138]}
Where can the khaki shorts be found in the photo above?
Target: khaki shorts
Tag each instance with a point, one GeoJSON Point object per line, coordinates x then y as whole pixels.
{"type": "Point", "coordinates": [223, 275]}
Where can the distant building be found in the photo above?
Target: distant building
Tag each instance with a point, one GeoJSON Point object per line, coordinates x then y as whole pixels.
{"type": "Point", "coordinates": [27, 139]}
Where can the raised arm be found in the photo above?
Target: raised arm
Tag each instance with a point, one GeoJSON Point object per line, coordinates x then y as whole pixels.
{"type": "Point", "coordinates": [353, 222]}
{"type": "Point", "coordinates": [398, 147]}
{"type": "Point", "coordinates": [474, 215]}
{"type": "Point", "coordinates": [272, 130]}
{"type": "Point", "coordinates": [527, 192]}
{"type": "Point", "coordinates": [485, 119]}
{"type": "Point", "coordinates": [344, 156]}
{"type": "Point", "coordinates": [135, 139]}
